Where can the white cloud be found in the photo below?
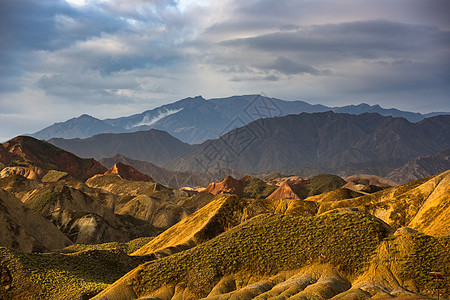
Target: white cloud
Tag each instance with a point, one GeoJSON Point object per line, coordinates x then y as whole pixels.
{"type": "Point", "coordinates": [161, 114]}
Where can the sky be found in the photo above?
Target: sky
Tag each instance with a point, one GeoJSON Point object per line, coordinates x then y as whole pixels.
{"type": "Point", "coordinates": [109, 58]}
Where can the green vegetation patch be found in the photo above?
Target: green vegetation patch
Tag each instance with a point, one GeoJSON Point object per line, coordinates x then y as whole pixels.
{"type": "Point", "coordinates": [66, 276]}
{"type": "Point", "coordinates": [268, 244]}
{"type": "Point", "coordinates": [274, 176]}
{"type": "Point", "coordinates": [425, 254]}
{"type": "Point", "coordinates": [53, 175]}
{"type": "Point", "coordinates": [42, 198]}
{"type": "Point", "coordinates": [323, 183]}
{"type": "Point", "coordinates": [257, 189]}
{"type": "Point", "coordinates": [128, 247]}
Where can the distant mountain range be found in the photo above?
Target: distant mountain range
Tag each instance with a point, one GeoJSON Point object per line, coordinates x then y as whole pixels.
{"type": "Point", "coordinates": [195, 120]}
{"type": "Point", "coordinates": [320, 142]}
{"type": "Point", "coordinates": [304, 144]}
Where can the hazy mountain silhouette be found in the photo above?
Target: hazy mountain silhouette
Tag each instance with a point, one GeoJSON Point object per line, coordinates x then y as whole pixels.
{"type": "Point", "coordinates": [194, 120]}
{"type": "Point", "coordinates": [422, 167]}
{"type": "Point", "coordinates": [367, 143]}
{"type": "Point", "coordinates": [82, 127]}
{"type": "Point", "coordinates": [153, 145]}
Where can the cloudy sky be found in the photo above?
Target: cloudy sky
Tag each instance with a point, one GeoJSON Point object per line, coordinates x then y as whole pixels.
{"type": "Point", "coordinates": [109, 58]}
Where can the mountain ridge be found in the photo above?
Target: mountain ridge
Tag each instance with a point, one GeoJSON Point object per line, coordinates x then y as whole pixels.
{"type": "Point", "coordinates": [195, 119]}
{"type": "Point", "coordinates": [155, 146]}
{"type": "Point", "coordinates": [321, 142]}
{"type": "Point", "coordinates": [28, 156]}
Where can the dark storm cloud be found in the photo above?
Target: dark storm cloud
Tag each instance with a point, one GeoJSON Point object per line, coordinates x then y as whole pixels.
{"type": "Point", "coordinates": [28, 26]}
{"type": "Point", "coordinates": [35, 31]}
{"type": "Point", "coordinates": [364, 39]}
{"type": "Point", "coordinates": [46, 24]}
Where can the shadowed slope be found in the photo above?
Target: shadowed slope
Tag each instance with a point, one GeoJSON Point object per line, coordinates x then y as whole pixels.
{"type": "Point", "coordinates": [81, 218]}
{"type": "Point", "coordinates": [321, 142]}
{"type": "Point", "coordinates": [24, 229]}
{"type": "Point", "coordinates": [154, 146]}
{"type": "Point", "coordinates": [148, 201]}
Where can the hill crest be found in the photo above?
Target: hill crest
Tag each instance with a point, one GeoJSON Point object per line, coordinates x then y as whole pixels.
{"type": "Point", "coordinates": [128, 172]}
{"type": "Point", "coordinates": [29, 156]}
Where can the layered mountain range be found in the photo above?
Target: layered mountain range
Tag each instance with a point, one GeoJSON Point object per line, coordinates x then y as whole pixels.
{"type": "Point", "coordinates": [194, 120]}
{"type": "Point", "coordinates": [320, 142]}
{"type": "Point", "coordinates": [75, 230]}
{"type": "Point", "coordinates": [304, 144]}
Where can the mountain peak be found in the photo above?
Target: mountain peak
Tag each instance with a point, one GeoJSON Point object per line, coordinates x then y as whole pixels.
{"type": "Point", "coordinates": [86, 116]}
{"type": "Point", "coordinates": [227, 185]}
{"type": "Point", "coordinates": [128, 172]}
{"type": "Point", "coordinates": [287, 191]}
{"type": "Point", "coordinates": [82, 118]}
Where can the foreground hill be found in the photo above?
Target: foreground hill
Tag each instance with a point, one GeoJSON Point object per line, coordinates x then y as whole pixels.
{"type": "Point", "coordinates": [331, 244]}
{"type": "Point", "coordinates": [284, 256]}
{"type": "Point", "coordinates": [78, 275]}
{"type": "Point", "coordinates": [33, 158]}
{"type": "Point", "coordinates": [421, 167]}
{"type": "Point", "coordinates": [311, 143]}
{"type": "Point", "coordinates": [194, 120]}
{"type": "Point", "coordinates": [154, 146]}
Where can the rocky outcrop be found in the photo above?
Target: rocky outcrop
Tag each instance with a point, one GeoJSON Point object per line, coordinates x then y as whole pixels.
{"type": "Point", "coordinates": [31, 172]}
{"type": "Point", "coordinates": [82, 218]}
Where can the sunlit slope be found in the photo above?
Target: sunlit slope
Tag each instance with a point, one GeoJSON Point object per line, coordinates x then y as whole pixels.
{"type": "Point", "coordinates": [423, 204]}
